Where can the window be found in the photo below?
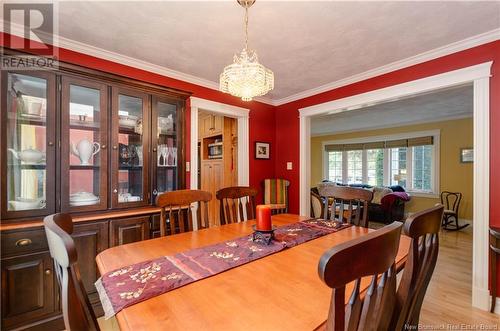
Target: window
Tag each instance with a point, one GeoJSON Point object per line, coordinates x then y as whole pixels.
{"type": "Point", "coordinates": [398, 166]}
{"type": "Point", "coordinates": [354, 167]}
{"type": "Point", "coordinates": [375, 167]}
{"type": "Point", "coordinates": [335, 166]}
{"type": "Point", "coordinates": [408, 162]}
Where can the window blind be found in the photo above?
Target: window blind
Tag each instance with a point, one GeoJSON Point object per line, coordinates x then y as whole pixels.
{"type": "Point", "coordinates": [410, 142]}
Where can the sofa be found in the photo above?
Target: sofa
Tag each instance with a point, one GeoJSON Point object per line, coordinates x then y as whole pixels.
{"type": "Point", "coordinates": [387, 206]}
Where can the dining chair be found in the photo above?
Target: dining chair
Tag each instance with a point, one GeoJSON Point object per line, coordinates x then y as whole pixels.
{"type": "Point", "coordinates": [345, 204]}
{"type": "Point", "coordinates": [179, 206]}
{"type": "Point", "coordinates": [371, 310]}
{"type": "Point", "coordinates": [317, 205]}
{"type": "Point", "coordinates": [451, 202]}
{"type": "Point", "coordinates": [276, 194]}
{"type": "Point", "coordinates": [423, 229]}
{"type": "Point", "coordinates": [236, 203]}
{"type": "Point", "coordinates": [77, 311]}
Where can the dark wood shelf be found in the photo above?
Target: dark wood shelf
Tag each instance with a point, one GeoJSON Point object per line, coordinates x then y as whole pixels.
{"type": "Point", "coordinates": [28, 166]}
{"type": "Point", "coordinates": [28, 121]}
{"type": "Point", "coordinates": [166, 166]}
{"type": "Point", "coordinates": [124, 130]}
{"type": "Point", "coordinates": [130, 167]}
{"type": "Point", "coordinates": [83, 167]}
{"type": "Point", "coordinates": [82, 126]}
{"type": "Point", "coordinates": [171, 133]}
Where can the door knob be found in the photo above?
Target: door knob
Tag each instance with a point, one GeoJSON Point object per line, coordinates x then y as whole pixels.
{"type": "Point", "coordinates": [48, 271]}
{"type": "Point", "coordinates": [115, 191]}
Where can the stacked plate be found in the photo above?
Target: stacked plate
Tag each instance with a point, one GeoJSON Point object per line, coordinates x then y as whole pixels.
{"type": "Point", "coordinates": [83, 199]}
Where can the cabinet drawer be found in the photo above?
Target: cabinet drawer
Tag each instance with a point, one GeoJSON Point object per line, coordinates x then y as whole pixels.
{"type": "Point", "coordinates": [23, 241]}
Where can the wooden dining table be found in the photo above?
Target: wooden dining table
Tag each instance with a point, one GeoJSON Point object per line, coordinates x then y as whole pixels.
{"type": "Point", "coordinates": [281, 291]}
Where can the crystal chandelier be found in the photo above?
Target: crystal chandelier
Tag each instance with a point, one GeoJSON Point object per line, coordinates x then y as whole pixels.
{"type": "Point", "coordinates": [246, 77]}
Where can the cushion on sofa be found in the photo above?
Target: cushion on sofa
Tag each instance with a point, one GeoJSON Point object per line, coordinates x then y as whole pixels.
{"type": "Point", "coordinates": [378, 193]}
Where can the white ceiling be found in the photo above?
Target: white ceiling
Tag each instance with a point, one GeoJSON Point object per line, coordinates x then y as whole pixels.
{"type": "Point", "coordinates": [307, 44]}
{"type": "Point", "coordinates": [441, 105]}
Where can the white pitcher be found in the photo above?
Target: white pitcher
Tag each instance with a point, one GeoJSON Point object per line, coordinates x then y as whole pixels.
{"type": "Point", "coordinates": [85, 150]}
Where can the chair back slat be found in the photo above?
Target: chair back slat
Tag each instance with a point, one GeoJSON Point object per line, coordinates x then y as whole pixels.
{"type": "Point", "coordinates": [179, 205]}
{"type": "Point", "coordinates": [374, 310]}
{"type": "Point", "coordinates": [276, 194]}
{"type": "Point", "coordinates": [345, 204]}
{"type": "Point", "coordinates": [235, 202]}
{"type": "Point", "coordinates": [423, 229]}
{"type": "Point", "coordinates": [77, 311]}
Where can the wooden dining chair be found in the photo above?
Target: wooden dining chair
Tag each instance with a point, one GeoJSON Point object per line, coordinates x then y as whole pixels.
{"type": "Point", "coordinates": [77, 311]}
{"type": "Point", "coordinates": [423, 229]}
{"type": "Point", "coordinates": [178, 205]}
{"type": "Point", "coordinates": [317, 205]}
{"type": "Point", "coordinates": [337, 268]}
{"type": "Point", "coordinates": [236, 203]}
{"type": "Point", "coordinates": [451, 202]}
{"type": "Point", "coordinates": [276, 194]}
{"type": "Point", "coordinates": [346, 204]}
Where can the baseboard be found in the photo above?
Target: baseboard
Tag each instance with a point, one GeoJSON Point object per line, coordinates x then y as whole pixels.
{"type": "Point", "coordinates": [481, 298]}
{"type": "Point", "coordinates": [497, 306]}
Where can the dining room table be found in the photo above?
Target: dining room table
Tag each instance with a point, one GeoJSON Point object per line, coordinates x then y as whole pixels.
{"type": "Point", "coordinates": [281, 291]}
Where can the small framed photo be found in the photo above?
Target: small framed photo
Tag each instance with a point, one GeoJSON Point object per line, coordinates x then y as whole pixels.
{"type": "Point", "coordinates": [262, 150]}
{"type": "Point", "coordinates": [466, 155]}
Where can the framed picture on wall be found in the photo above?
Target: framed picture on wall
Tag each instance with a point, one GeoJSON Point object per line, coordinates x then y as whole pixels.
{"type": "Point", "coordinates": [466, 155]}
{"type": "Point", "coordinates": [262, 150]}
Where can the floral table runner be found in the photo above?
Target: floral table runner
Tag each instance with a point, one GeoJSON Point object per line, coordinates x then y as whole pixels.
{"type": "Point", "coordinates": [141, 281]}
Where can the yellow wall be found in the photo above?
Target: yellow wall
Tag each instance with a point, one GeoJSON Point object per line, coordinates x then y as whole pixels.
{"type": "Point", "coordinates": [454, 176]}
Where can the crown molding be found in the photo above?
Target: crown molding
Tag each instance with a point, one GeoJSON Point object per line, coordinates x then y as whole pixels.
{"type": "Point", "coordinates": [455, 47]}
{"type": "Point", "coordinates": [76, 46]}
{"type": "Point", "coordinates": [493, 35]}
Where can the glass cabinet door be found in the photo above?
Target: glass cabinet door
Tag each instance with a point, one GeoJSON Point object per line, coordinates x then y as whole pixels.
{"type": "Point", "coordinates": [84, 145]}
{"type": "Point", "coordinates": [166, 130]}
{"type": "Point", "coordinates": [28, 155]}
{"type": "Point", "coordinates": [130, 157]}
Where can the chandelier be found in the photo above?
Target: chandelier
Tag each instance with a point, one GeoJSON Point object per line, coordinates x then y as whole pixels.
{"type": "Point", "coordinates": [246, 77]}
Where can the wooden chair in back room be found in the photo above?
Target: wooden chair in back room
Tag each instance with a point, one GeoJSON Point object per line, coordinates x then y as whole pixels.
{"type": "Point", "coordinates": [77, 311]}
{"type": "Point", "coordinates": [346, 204]}
{"type": "Point", "coordinates": [176, 210]}
{"type": "Point", "coordinates": [451, 202]}
{"type": "Point", "coordinates": [276, 194]}
{"type": "Point", "coordinates": [236, 204]}
{"type": "Point", "coordinates": [371, 310]}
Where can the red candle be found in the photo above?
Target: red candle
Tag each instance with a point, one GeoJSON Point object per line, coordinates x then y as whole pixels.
{"type": "Point", "coordinates": [264, 218]}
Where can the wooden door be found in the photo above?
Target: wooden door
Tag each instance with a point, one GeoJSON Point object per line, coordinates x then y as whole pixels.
{"type": "Point", "coordinates": [218, 124]}
{"type": "Point", "coordinates": [130, 132]}
{"type": "Point", "coordinates": [90, 239]}
{"type": "Point", "coordinates": [128, 230]}
{"type": "Point", "coordinates": [206, 124]}
{"type": "Point", "coordinates": [167, 142]}
{"type": "Point", "coordinates": [84, 125]}
{"type": "Point", "coordinates": [28, 289]}
{"type": "Point", "coordinates": [28, 144]}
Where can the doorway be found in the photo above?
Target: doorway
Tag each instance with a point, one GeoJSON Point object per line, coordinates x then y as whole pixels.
{"type": "Point", "coordinates": [219, 148]}
{"type": "Point", "coordinates": [478, 75]}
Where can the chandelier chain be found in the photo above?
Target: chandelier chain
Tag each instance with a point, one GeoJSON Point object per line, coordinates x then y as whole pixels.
{"type": "Point", "coordinates": [246, 27]}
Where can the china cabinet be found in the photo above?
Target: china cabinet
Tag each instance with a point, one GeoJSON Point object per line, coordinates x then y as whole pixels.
{"type": "Point", "coordinates": [98, 146]}
{"type": "Point", "coordinates": [28, 144]}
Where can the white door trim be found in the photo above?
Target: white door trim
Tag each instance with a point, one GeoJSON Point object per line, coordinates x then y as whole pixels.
{"type": "Point", "coordinates": [479, 76]}
{"type": "Point", "coordinates": [242, 116]}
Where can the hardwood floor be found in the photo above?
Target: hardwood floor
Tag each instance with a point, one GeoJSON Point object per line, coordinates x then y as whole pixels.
{"type": "Point", "coordinates": [447, 304]}
{"type": "Point", "coordinates": [449, 296]}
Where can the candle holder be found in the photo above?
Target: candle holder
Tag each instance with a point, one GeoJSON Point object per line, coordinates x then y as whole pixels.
{"type": "Point", "coordinates": [265, 236]}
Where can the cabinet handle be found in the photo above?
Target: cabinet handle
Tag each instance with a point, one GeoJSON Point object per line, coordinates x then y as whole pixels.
{"type": "Point", "coordinates": [50, 143]}
{"type": "Point", "coordinates": [23, 242]}
{"type": "Point", "coordinates": [115, 191]}
{"type": "Point", "coordinates": [103, 146]}
{"type": "Point", "coordinates": [154, 149]}
{"type": "Point", "coordinates": [48, 271]}
{"type": "Point", "coordinates": [115, 147]}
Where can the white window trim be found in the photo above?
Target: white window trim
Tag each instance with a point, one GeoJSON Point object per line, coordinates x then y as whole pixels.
{"type": "Point", "coordinates": [435, 172]}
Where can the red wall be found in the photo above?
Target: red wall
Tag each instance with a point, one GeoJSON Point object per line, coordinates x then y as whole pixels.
{"type": "Point", "coordinates": [261, 123]}
{"type": "Point", "coordinates": [287, 121]}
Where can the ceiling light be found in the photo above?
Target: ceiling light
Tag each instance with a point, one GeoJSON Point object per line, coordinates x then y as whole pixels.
{"type": "Point", "coordinates": [246, 77]}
